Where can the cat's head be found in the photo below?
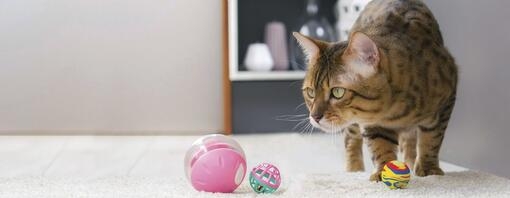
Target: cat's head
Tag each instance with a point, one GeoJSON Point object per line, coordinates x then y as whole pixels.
{"type": "Point", "coordinates": [345, 83]}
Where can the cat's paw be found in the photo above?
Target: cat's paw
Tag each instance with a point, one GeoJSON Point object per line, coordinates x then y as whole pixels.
{"type": "Point", "coordinates": [355, 167]}
{"type": "Point", "coordinates": [423, 171]}
{"type": "Point", "coordinates": [376, 176]}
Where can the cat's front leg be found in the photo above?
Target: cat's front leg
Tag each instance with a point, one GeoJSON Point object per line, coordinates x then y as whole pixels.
{"type": "Point", "coordinates": [382, 143]}
{"type": "Point", "coordinates": [353, 149]}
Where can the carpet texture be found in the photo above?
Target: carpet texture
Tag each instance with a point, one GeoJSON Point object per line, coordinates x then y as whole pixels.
{"type": "Point", "coordinates": [453, 184]}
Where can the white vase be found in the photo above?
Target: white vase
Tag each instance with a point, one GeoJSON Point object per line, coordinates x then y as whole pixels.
{"type": "Point", "coordinates": [258, 58]}
{"type": "Point", "coordinates": [347, 12]}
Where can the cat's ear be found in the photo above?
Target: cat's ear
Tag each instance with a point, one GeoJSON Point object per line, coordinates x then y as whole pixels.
{"type": "Point", "coordinates": [362, 54]}
{"type": "Point", "coordinates": [310, 46]}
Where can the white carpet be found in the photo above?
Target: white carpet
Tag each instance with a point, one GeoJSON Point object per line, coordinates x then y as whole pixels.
{"type": "Point", "coordinates": [459, 184]}
{"type": "Point", "coordinates": [311, 166]}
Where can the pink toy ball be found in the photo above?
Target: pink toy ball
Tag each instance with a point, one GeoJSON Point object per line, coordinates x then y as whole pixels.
{"type": "Point", "coordinates": [265, 178]}
{"type": "Point", "coordinates": [215, 163]}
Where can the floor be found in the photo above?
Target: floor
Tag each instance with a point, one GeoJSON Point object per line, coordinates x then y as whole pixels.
{"type": "Point", "coordinates": [92, 157]}
{"type": "Point", "coordinates": [153, 166]}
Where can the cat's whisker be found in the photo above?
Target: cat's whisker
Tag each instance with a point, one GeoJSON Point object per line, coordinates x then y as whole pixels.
{"type": "Point", "coordinates": [286, 116]}
{"type": "Point", "coordinates": [304, 125]}
{"type": "Point", "coordinates": [304, 114]}
{"type": "Point", "coordinates": [306, 128]}
{"type": "Point", "coordinates": [300, 124]}
{"type": "Point", "coordinates": [292, 120]}
{"type": "Point", "coordinates": [294, 83]}
{"type": "Point", "coordinates": [335, 134]}
{"type": "Point", "coordinates": [296, 118]}
{"type": "Point", "coordinates": [300, 105]}
{"type": "Point", "coordinates": [302, 128]}
{"type": "Point", "coordinates": [338, 131]}
{"type": "Point", "coordinates": [310, 129]}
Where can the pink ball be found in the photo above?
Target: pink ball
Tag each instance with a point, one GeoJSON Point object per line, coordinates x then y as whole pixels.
{"type": "Point", "coordinates": [215, 163]}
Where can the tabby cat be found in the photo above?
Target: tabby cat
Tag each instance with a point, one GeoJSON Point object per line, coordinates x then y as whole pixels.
{"type": "Point", "coordinates": [392, 84]}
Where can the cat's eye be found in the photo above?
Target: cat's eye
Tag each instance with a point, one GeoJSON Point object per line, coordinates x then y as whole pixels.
{"type": "Point", "coordinates": [338, 92]}
{"type": "Point", "coordinates": [310, 92]}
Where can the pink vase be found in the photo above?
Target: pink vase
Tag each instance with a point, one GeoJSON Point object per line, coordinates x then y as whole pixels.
{"type": "Point", "coordinates": [276, 40]}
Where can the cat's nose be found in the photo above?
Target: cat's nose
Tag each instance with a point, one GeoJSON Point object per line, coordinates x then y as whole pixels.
{"type": "Point", "coordinates": [317, 118]}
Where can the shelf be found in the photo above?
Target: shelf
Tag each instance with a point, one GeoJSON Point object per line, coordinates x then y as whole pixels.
{"type": "Point", "coordinates": [271, 75]}
{"type": "Point", "coordinates": [246, 25]}
{"type": "Point", "coordinates": [234, 73]}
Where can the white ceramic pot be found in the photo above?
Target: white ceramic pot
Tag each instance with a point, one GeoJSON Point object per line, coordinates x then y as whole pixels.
{"type": "Point", "coordinates": [258, 58]}
{"type": "Point", "coordinates": [348, 12]}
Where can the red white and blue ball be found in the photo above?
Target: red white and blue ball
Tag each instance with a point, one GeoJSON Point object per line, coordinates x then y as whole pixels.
{"type": "Point", "coordinates": [396, 175]}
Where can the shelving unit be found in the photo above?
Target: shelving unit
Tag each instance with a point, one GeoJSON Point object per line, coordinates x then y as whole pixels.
{"type": "Point", "coordinates": [272, 75]}
{"type": "Point", "coordinates": [235, 74]}
{"type": "Point", "coordinates": [255, 100]}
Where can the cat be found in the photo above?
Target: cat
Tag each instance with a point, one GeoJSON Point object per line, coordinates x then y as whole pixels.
{"type": "Point", "coordinates": [392, 84]}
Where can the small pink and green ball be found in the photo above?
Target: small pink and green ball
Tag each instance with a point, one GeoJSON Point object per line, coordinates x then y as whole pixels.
{"type": "Point", "coordinates": [265, 178]}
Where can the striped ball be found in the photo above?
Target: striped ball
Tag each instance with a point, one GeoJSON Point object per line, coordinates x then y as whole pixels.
{"type": "Point", "coordinates": [396, 175]}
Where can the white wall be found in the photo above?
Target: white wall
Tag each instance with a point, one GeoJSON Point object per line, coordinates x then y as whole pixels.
{"type": "Point", "coordinates": [478, 35]}
{"type": "Point", "coordinates": [110, 66]}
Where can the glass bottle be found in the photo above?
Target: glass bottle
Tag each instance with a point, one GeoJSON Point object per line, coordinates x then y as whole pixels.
{"type": "Point", "coordinates": [311, 24]}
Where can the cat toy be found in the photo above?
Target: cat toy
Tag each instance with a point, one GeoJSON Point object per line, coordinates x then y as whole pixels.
{"type": "Point", "coordinates": [396, 175]}
{"type": "Point", "coordinates": [215, 163]}
{"type": "Point", "coordinates": [265, 178]}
